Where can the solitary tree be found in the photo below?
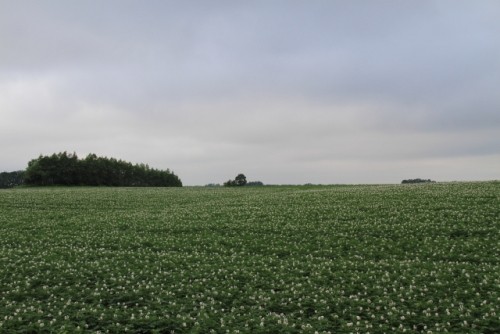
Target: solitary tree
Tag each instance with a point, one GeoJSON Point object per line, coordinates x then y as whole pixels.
{"type": "Point", "coordinates": [241, 180]}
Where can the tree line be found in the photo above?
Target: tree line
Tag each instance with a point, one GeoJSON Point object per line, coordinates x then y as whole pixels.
{"type": "Point", "coordinates": [417, 181]}
{"type": "Point", "coordinates": [67, 169]}
{"type": "Point", "coordinates": [11, 179]}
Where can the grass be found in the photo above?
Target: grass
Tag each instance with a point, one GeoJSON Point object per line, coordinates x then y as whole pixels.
{"type": "Point", "coordinates": [291, 259]}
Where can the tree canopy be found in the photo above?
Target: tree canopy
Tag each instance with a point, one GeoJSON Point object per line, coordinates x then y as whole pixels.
{"type": "Point", "coordinates": [417, 181]}
{"type": "Point", "coordinates": [241, 180]}
{"type": "Point", "coordinates": [66, 169]}
{"type": "Point", "coordinates": [11, 179]}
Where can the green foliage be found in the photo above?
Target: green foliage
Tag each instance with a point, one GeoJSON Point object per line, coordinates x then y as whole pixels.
{"type": "Point", "coordinates": [239, 181]}
{"type": "Point", "coordinates": [67, 169]}
{"type": "Point", "coordinates": [11, 179]}
{"type": "Point", "coordinates": [255, 183]}
{"type": "Point", "coordinates": [417, 181]}
{"type": "Point", "coordinates": [230, 183]}
{"type": "Point", "coordinates": [326, 259]}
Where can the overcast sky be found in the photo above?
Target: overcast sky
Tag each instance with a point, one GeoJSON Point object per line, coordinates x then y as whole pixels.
{"type": "Point", "coordinates": [282, 91]}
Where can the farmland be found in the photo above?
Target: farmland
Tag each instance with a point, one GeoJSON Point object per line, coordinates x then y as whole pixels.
{"type": "Point", "coordinates": [288, 259]}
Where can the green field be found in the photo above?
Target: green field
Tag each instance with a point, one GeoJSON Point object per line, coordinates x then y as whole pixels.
{"type": "Point", "coordinates": [291, 259]}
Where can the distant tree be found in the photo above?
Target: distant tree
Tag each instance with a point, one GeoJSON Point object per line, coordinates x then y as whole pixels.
{"type": "Point", "coordinates": [240, 180]}
{"type": "Point", "coordinates": [255, 183]}
{"type": "Point", "coordinates": [417, 181]}
{"type": "Point", "coordinates": [230, 183]}
{"type": "Point", "coordinates": [11, 179]}
{"type": "Point", "coordinates": [67, 169]}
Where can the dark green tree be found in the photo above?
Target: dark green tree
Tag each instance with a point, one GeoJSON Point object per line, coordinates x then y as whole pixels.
{"type": "Point", "coordinates": [255, 183]}
{"type": "Point", "coordinates": [240, 180]}
{"type": "Point", "coordinates": [229, 183]}
{"type": "Point", "coordinates": [67, 169]}
{"type": "Point", "coordinates": [417, 181]}
{"type": "Point", "coordinates": [11, 179]}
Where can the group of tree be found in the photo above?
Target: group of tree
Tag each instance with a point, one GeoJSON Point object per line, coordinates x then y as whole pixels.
{"type": "Point", "coordinates": [241, 180]}
{"type": "Point", "coordinates": [11, 179]}
{"type": "Point", "coordinates": [67, 169]}
{"type": "Point", "coordinates": [417, 181]}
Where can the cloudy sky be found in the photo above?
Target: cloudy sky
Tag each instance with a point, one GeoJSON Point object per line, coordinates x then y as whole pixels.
{"type": "Point", "coordinates": [283, 91]}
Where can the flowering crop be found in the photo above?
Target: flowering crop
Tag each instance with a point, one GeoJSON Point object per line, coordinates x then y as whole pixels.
{"type": "Point", "coordinates": [292, 259]}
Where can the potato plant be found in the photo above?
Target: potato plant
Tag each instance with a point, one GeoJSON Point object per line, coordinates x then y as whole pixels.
{"type": "Point", "coordinates": [288, 259]}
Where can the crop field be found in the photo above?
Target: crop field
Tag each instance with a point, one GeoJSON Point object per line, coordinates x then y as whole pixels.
{"type": "Point", "coordinates": [287, 259]}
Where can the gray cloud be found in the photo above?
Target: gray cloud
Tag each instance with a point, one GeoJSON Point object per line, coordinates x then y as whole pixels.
{"type": "Point", "coordinates": [285, 91]}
